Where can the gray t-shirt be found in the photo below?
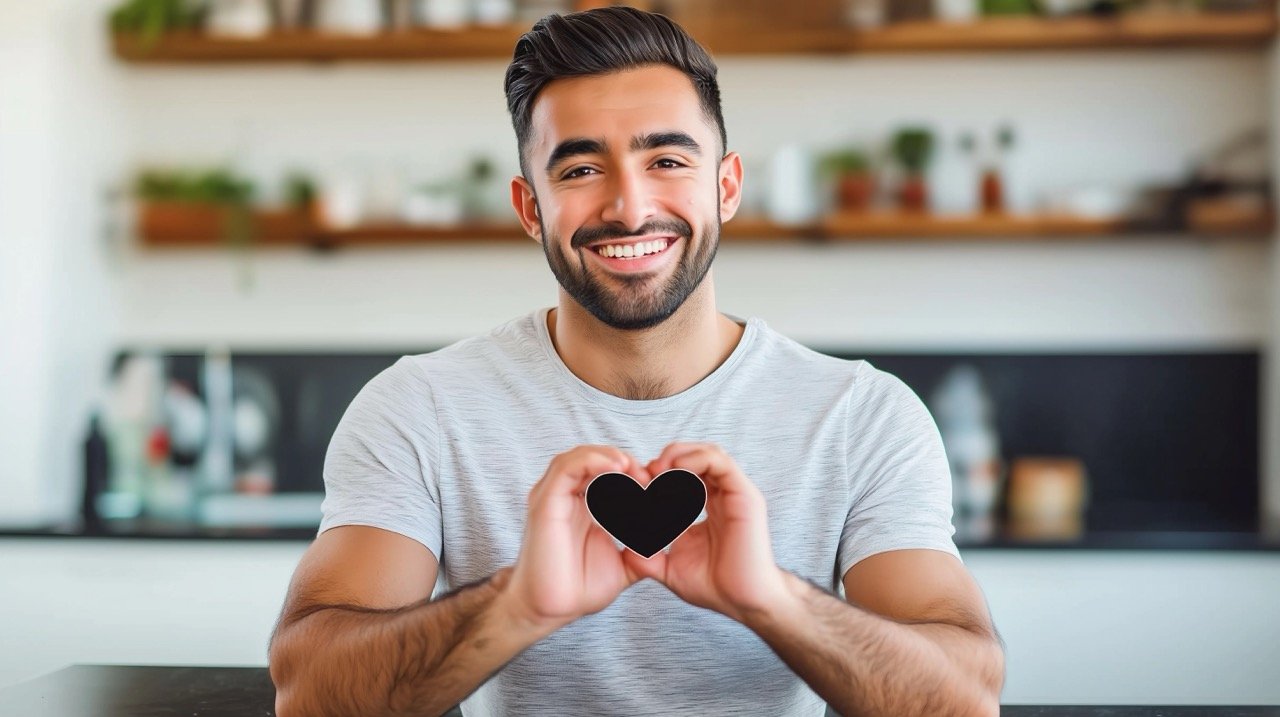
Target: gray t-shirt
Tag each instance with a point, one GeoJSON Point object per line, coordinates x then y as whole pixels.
{"type": "Point", "coordinates": [444, 447]}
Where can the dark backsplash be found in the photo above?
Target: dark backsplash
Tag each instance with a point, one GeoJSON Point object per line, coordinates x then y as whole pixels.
{"type": "Point", "coordinates": [1170, 441]}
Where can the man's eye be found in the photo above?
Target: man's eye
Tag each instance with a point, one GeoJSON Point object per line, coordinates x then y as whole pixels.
{"type": "Point", "coordinates": [576, 172]}
{"type": "Point", "coordinates": [669, 163]}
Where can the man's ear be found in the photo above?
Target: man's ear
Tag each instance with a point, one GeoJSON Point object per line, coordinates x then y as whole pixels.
{"type": "Point", "coordinates": [730, 185]}
{"type": "Point", "coordinates": [525, 203]}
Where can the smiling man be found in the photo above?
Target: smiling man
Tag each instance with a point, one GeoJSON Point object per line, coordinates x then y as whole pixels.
{"type": "Point", "coordinates": [824, 571]}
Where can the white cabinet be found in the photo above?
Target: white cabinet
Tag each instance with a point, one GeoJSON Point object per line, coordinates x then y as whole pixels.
{"type": "Point", "coordinates": [1135, 627]}
{"type": "Point", "coordinates": [1080, 626]}
{"type": "Point", "coordinates": [68, 600]}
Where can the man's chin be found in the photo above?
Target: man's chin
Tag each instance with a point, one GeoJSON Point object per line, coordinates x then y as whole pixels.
{"type": "Point", "coordinates": [633, 321]}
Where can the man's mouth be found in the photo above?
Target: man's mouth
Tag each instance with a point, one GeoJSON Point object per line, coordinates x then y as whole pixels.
{"type": "Point", "coordinates": [633, 249]}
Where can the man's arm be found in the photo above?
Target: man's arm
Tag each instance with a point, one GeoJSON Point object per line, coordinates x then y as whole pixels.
{"type": "Point", "coordinates": [916, 640]}
{"type": "Point", "coordinates": [360, 635]}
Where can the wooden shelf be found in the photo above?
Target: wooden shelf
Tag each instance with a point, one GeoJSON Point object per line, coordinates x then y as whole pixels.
{"type": "Point", "coordinates": [166, 227]}
{"type": "Point", "coordinates": [992, 226]}
{"type": "Point", "coordinates": [281, 229]}
{"type": "Point", "coordinates": [1134, 30]}
{"type": "Point", "coordinates": [1029, 33]}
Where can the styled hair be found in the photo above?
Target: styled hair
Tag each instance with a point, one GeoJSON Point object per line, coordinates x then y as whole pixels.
{"type": "Point", "coordinates": [597, 42]}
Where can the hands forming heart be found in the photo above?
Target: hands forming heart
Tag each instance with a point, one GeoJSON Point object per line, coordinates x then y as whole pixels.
{"type": "Point", "coordinates": [724, 563]}
{"type": "Point", "coordinates": [646, 519]}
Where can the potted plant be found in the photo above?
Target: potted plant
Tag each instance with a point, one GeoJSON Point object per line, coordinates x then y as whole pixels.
{"type": "Point", "coordinates": [912, 147]}
{"type": "Point", "coordinates": [186, 207]}
{"type": "Point", "coordinates": [855, 184]}
{"type": "Point", "coordinates": [148, 20]}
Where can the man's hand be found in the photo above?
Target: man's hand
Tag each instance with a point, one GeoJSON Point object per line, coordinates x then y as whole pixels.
{"type": "Point", "coordinates": [724, 563]}
{"type": "Point", "coordinates": [568, 566]}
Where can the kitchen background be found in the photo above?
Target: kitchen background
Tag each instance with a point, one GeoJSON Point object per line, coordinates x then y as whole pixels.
{"type": "Point", "coordinates": [1096, 351]}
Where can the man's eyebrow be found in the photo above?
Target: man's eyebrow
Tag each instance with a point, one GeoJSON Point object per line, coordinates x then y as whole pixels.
{"type": "Point", "coordinates": [572, 148]}
{"type": "Point", "coordinates": [655, 140]}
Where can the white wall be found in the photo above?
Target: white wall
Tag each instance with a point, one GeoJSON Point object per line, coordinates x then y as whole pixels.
{"type": "Point", "coordinates": [27, 146]}
{"type": "Point", "coordinates": [1139, 294]}
{"type": "Point", "coordinates": [57, 151]}
{"type": "Point", "coordinates": [1114, 117]}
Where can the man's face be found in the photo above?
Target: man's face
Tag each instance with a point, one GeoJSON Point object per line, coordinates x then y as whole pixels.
{"type": "Point", "coordinates": [628, 186]}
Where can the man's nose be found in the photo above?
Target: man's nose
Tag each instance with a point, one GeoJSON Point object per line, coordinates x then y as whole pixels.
{"type": "Point", "coordinates": [629, 202]}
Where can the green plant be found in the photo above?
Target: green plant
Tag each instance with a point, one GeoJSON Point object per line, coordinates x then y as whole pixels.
{"type": "Point", "coordinates": [913, 148]}
{"type": "Point", "coordinates": [218, 187]}
{"type": "Point", "coordinates": [1008, 7]}
{"type": "Point", "coordinates": [299, 190]}
{"type": "Point", "coordinates": [215, 186]}
{"type": "Point", "coordinates": [844, 161]}
{"type": "Point", "coordinates": [150, 19]}
{"type": "Point", "coordinates": [481, 170]}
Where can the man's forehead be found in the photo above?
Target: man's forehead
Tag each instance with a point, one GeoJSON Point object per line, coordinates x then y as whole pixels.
{"type": "Point", "coordinates": [616, 107]}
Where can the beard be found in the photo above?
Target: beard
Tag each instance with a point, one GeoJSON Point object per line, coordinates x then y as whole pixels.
{"type": "Point", "coordinates": [638, 302]}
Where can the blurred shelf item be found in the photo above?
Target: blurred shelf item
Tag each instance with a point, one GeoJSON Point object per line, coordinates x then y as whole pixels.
{"type": "Point", "coordinates": [1247, 215]}
{"type": "Point", "coordinates": [1242, 29]}
{"type": "Point", "coordinates": [163, 228]}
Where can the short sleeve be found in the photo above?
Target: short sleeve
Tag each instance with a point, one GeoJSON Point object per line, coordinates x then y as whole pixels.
{"type": "Point", "coordinates": [899, 475]}
{"type": "Point", "coordinates": [379, 467]}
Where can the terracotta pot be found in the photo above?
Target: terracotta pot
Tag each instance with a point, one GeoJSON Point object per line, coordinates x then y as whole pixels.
{"type": "Point", "coordinates": [854, 192]}
{"type": "Point", "coordinates": [204, 224]}
{"type": "Point", "coordinates": [180, 223]}
{"type": "Point", "coordinates": [913, 193]}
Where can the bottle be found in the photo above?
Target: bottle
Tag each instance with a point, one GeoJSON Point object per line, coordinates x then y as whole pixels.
{"type": "Point", "coordinates": [792, 186]}
{"type": "Point", "coordinates": [95, 471]}
{"type": "Point", "coordinates": [953, 176]}
{"type": "Point", "coordinates": [134, 409]}
{"type": "Point", "coordinates": [966, 421]}
{"type": "Point", "coordinates": [996, 171]}
{"type": "Point", "coordinates": [217, 470]}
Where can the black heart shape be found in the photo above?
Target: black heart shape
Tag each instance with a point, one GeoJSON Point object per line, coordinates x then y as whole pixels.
{"type": "Point", "coordinates": [646, 520]}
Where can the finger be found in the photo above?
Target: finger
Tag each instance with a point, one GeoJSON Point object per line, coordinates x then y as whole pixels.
{"type": "Point", "coordinates": [664, 461]}
{"type": "Point", "coordinates": [707, 460]}
{"type": "Point", "coordinates": [637, 471]}
{"type": "Point", "coordinates": [641, 567]}
{"type": "Point", "coordinates": [724, 480]}
{"type": "Point", "coordinates": [568, 474]}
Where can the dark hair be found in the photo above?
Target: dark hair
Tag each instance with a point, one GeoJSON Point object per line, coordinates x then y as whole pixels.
{"type": "Point", "coordinates": [600, 41]}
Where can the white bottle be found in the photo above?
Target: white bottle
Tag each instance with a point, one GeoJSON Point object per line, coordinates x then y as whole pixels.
{"type": "Point", "coordinates": [965, 417]}
{"type": "Point", "coordinates": [350, 17]}
{"type": "Point", "coordinates": [495, 12]}
{"type": "Point", "coordinates": [793, 194]}
{"type": "Point", "coordinates": [954, 178]}
{"type": "Point", "coordinates": [239, 18]}
{"type": "Point", "coordinates": [955, 10]}
{"type": "Point", "coordinates": [217, 468]}
{"type": "Point", "coordinates": [445, 14]}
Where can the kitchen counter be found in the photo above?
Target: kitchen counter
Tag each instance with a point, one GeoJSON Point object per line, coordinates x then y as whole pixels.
{"type": "Point", "coordinates": [113, 690]}
{"type": "Point", "coordinates": [1239, 540]}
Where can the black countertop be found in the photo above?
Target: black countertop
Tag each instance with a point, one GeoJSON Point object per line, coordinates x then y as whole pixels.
{"type": "Point", "coordinates": [126, 691]}
{"type": "Point", "coordinates": [1239, 540]}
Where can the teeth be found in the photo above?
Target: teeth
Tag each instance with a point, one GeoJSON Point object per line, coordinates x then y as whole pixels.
{"type": "Point", "coordinates": [632, 250]}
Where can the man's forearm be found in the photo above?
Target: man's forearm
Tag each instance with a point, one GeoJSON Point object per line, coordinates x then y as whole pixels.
{"type": "Point", "coordinates": [418, 660]}
{"type": "Point", "coordinates": [864, 664]}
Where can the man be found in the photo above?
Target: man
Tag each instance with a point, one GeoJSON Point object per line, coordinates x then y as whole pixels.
{"type": "Point", "coordinates": [469, 465]}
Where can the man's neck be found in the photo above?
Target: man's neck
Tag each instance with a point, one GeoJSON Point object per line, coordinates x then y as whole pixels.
{"type": "Point", "coordinates": [650, 363]}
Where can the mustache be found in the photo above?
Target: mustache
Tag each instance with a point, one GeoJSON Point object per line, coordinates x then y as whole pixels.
{"type": "Point", "coordinates": [590, 235]}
